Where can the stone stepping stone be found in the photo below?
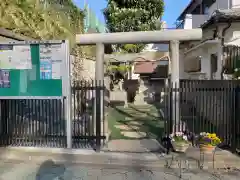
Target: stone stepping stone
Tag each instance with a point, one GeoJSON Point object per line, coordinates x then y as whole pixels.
{"type": "Point", "coordinates": [127, 127]}
{"type": "Point", "coordinates": [156, 114]}
{"type": "Point", "coordinates": [129, 118]}
{"type": "Point", "coordinates": [141, 115]}
{"type": "Point", "coordinates": [136, 123]}
{"type": "Point", "coordinates": [134, 134]}
{"type": "Point", "coordinates": [142, 110]}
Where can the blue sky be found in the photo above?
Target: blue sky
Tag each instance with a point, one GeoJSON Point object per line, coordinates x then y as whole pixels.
{"type": "Point", "coordinates": [173, 8]}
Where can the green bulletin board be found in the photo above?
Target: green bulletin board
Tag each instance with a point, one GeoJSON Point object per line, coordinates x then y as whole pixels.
{"type": "Point", "coordinates": [28, 82]}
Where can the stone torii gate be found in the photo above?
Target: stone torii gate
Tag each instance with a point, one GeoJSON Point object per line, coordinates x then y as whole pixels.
{"type": "Point", "coordinates": [173, 36]}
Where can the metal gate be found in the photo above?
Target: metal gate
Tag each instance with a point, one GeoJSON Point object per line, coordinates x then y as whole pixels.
{"type": "Point", "coordinates": [88, 119]}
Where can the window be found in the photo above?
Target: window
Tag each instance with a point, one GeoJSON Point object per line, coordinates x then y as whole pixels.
{"type": "Point", "coordinates": [207, 4]}
{"type": "Point", "coordinates": [197, 10]}
{"type": "Point", "coordinates": [214, 63]}
{"type": "Point", "coordinates": [206, 10]}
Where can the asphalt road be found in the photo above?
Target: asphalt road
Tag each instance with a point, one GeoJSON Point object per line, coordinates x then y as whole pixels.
{"type": "Point", "coordinates": [49, 170]}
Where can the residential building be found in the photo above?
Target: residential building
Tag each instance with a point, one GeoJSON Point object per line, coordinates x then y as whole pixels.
{"type": "Point", "coordinates": [199, 11]}
{"type": "Point", "coordinates": [219, 20]}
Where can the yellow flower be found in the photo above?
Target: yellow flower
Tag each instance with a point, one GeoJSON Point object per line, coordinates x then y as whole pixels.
{"type": "Point", "coordinates": [214, 135]}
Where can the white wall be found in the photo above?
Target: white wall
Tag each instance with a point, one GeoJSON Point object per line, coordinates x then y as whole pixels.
{"type": "Point", "coordinates": [194, 20]}
{"type": "Point", "coordinates": [188, 22]}
{"type": "Point", "coordinates": [235, 3]}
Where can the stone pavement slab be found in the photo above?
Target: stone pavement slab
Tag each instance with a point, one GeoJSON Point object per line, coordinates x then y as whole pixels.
{"type": "Point", "coordinates": [87, 157]}
{"type": "Point", "coordinates": [218, 157]}
{"type": "Point", "coordinates": [50, 170]}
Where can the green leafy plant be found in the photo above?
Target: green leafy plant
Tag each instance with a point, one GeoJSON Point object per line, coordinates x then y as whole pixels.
{"type": "Point", "coordinates": [236, 73]}
{"type": "Point", "coordinates": [47, 20]}
{"type": "Point", "coordinates": [134, 15]}
{"type": "Point", "coordinates": [179, 137]}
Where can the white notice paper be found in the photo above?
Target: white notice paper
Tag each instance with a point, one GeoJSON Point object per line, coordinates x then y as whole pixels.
{"type": "Point", "coordinates": [22, 57]}
{"type": "Point", "coordinates": [51, 55]}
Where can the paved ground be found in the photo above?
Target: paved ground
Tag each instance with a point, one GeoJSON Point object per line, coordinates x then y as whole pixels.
{"type": "Point", "coordinates": [63, 164]}
{"type": "Point", "coordinates": [49, 170]}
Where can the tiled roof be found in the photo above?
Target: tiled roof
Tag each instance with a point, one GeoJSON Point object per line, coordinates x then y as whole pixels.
{"type": "Point", "coordinates": [146, 67]}
{"type": "Point", "coordinates": [226, 15]}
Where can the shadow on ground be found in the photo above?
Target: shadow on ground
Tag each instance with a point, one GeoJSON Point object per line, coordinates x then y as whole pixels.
{"type": "Point", "coordinates": [49, 170]}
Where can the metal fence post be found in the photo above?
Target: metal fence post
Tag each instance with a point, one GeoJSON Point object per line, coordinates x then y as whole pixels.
{"type": "Point", "coordinates": [235, 96]}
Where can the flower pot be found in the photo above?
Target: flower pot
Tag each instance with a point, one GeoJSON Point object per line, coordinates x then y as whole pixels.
{"type": "Point", "coordinates": [207, 148]}
{"type": "Point", "coordinates": [180, 147]}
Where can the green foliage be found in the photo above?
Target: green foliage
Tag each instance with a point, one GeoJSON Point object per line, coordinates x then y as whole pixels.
{"type": "Point", "coordinates": [117, 72]}
{"type": "Point", "coordinates": [42, 19]}
{"type": "Point", "coordinates": [133, 15]}
{"type": "Point", "coordinates": [121, 69]}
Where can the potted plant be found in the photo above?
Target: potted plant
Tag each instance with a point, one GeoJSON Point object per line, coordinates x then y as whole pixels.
{"type": "Point", "coordinates": [179, 142]}
{"type": "Point", "coordinates": [208, 141]}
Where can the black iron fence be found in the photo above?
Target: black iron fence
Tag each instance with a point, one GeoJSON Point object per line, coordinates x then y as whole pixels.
{"type": "Point", "coordinates": [32, 122]}
{"type": "Point", "coordinates": [42, 122]}
{"type": "Point", "coordinates": [205, 106]}
{"type": "Point", "coordinates": [199, 105]}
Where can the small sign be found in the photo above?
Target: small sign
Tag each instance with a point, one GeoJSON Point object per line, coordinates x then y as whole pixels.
{"type": "Point", "coordinates": [4, 79]}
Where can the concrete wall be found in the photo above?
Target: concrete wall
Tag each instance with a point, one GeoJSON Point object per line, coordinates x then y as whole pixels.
{"type": "Point", "coordinates": [89, 69]}
{"type": "Point", "coordinates": [85, 68]}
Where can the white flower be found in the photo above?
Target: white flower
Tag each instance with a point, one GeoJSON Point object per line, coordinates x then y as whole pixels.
{"type": "Point", "coordinates": [185, 138]}
{"type": "Point", "coordinates": [203, 134]}
{"type": "Point", "coordinates": [179, 134]}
